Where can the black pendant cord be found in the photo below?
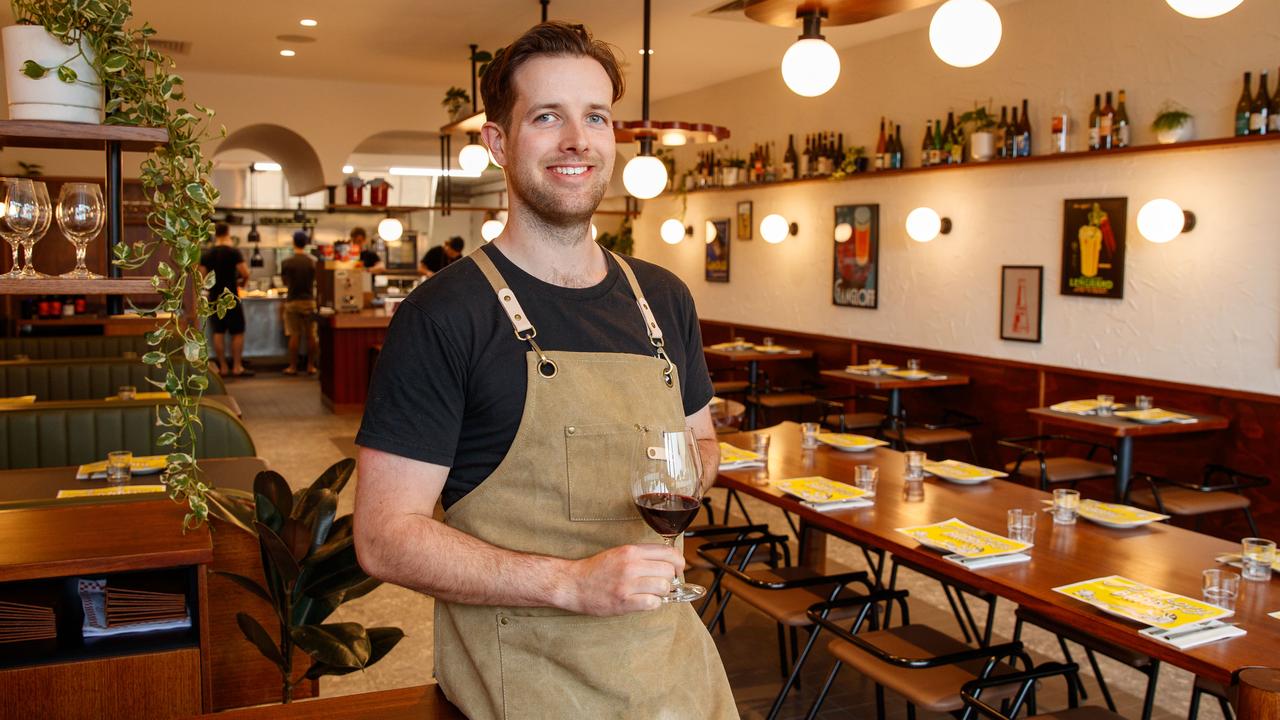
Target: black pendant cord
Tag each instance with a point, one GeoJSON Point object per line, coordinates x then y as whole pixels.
{"type": "Point", "coordinates": [644, 82]}
{"type": "Point", "coordinates": [544, 4]}
{"type": "Point", "coordinates": [474, 108]}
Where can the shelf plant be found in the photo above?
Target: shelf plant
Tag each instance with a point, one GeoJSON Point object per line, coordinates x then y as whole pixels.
{"type": "Point", "coordinates": [141, 89]}
{"type": "Point", "coordinates": [455, 98]}
{"type": "Point", "coordinates": [1173, 124]}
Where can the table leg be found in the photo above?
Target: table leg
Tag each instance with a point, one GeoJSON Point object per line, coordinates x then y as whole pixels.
{"type": "Point", "coordinates": [753, 393]}
{"type": "Point", "coordinates": [1124, 468]}
{"type": "Point", "coordinates": [895, 416]}
{"type": "Point", "coordinates": [812, 550]}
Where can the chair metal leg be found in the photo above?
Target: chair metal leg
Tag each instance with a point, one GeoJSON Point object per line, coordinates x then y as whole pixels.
{"type": "Point", "coordinates": [795, 651]}
{"type": "Point", "coordinates": [1193, 709]}
{"type": "Point", "coordinates": [1253, 526]}
{"type": "Point", "coordinates": [955, 610]}
{"type": "Point", "coordinates": [782, 650]}
{"type": "Point", "coordinates": [1079, 681]}
{"type": "Point", "coordinates": [793, 680]}
{"type": "Point", "coordinates": [1102, 682]}
{"type": "Point", "coordinates": [1149, 701]}
{"type": "Point", "coordinates": [911, 712]}
{"type": "Point", "coordinates": [826, 687]}
{"type": "Point", "coordinates": [1227, 713]}
{"type": "Point", "coordinates": [879, 702]}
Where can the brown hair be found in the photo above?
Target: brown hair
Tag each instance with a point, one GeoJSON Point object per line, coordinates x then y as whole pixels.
{"type": "Point", "coordinates": [550, 38]}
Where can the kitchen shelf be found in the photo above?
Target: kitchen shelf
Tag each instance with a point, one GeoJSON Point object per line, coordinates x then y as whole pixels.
{"type": "Point", "coordinates": [1214, 144]}
{"type": "Point", "coordinates": [79, 136]}
{"type": "Point", "coordinates": [68, 286]}
{"type": "Point", "coordinates": [390, 209]}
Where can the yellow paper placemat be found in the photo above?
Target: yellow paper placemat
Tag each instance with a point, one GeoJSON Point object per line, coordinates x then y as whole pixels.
{"type": "Point", "coordinates": [819, 489]}
{"type": "Point", "coordinates": [1116, 513]}
{"type": "Point", "coordinates": [141, 464]}
{"type": "Point", "coordinates": [1135, 601]}
{"type": "Point", "coordinates": [157, 395]}
{"type": "Point", "coordinates": [1155, 415]}
{"type": "Point", "coordinates": [735, 457]}
{"type": "Point", "coordinates": [118, 490]}
{"type": "Point", "coordinates": [963, 539]}
{"type": "Point", "coordinates": [867, 369]}
{"type": "Point", "coordinates": [962, 471]}
{"type": "Point", "coordinates": [1080, 407]}
{"type": "Point", "coordinates": [847, 440]}
{"type": "Point", "coordinates": [909, 374]}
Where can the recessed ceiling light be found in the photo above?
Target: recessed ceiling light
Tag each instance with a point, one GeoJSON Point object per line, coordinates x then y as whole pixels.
{"type": "Point", "coordinates": [287, 53]}
{"type": "Point", "coordinates": [267, 167]}
{"type": "Point", "coordinates": [307, 22]}
{"type": "Point", "coordinates": [348, 169]}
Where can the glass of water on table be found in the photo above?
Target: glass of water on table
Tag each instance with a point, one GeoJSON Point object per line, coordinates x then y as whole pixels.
{"type": "Point", "coordinates": [119, 467]}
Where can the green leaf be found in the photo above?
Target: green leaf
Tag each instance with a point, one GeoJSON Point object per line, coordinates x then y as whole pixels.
{"type": "Point", "coordinates": [67, 75]}
{"type": "Point", "coordinates": [336, 477]}
{"type": "Point", "coordinates": [337, 574]}
{"type": "Point", "coordinates": [381, 640]}
{"type": "Point", "coordinates": [296, 535]}
{"type": "Point", "coordinates": [115, 62]}
{"type": "Point", "coordinates": [154, 357]}
{"type": "Point", "coordinates": [232, 509]}
{"type": "Point", "coordinates": [246, 584]}
{"type": "Point", "coordinates": [338, 644]}
{"type": "Point", "coordinates": [196, 192]}
{"type": "Point", "coordinates": [34, 70]}
{"type": "Point", "coordinates": [277, 551]}
{"type": "Point", "coordinates": [191, 349]}
{"type": "Point", "coordinates": [271, 485]}
{"type": "Point", "coordinates": [199, 383]}
{"type": "Point", "coordinates": [254, 633]}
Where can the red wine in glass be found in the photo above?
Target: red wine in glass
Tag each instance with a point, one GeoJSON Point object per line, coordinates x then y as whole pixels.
{"type": "Point", "coordinates": [667, 513]}
{"type": "Point", "coordinates": [666, 486]}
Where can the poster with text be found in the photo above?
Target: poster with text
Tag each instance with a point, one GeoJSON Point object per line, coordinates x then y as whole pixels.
{"type": "Point", "coordinates": [718, 251]}
{"type": "Point", "coordinates": [1021, 295]}
{"type": "Point", "coordinates": [857, 256]}
{"type": "Point", "coordinates": [1093, 247]}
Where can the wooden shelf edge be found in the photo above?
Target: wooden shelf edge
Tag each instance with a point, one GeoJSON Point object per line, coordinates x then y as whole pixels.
{"type": "Point", "coordinates": [68, 286]}
{"type": "Point", "coordinates": [79, 136]}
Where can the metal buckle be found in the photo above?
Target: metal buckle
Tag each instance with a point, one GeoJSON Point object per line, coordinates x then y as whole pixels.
{"type": "Point", "coordinates": [546, 362]}
{"type": "Point", "coordinates": [533, 333]}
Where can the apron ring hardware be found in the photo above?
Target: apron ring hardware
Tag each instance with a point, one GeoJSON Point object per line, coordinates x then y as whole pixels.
{"type": "Point", "coordinates": [548, 369]}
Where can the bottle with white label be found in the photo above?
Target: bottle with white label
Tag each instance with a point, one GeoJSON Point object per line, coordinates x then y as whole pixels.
{"type": "Point", "coordinates": [1060, 125]}
{"type": "Point", "coordinates": [1120, 129]}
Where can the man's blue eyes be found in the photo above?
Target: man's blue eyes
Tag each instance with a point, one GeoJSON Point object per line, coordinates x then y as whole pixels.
{"type": "Point", "coordinates": [547, 117]}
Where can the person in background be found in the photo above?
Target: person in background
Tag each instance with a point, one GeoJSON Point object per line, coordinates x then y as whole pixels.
{"type": "Point", "coordinates": [440, 256]}
{"type": "Point", "coordinates": [368, 258]}
{"type": "Point", "coordinates": [229, 273]}
{"type": "Point", "coordinates": [299, 274]}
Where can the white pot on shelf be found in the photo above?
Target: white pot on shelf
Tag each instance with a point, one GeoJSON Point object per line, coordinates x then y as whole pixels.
{"type": "Point", "coordinates": [49, 98]}
{"type": "Point", "coordinates": [1184, 132]}
{"type": "Point", "coordinates": [982, 145]}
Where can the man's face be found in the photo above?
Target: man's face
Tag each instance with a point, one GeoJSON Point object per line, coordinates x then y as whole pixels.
{"type": "Point", "coordinates": [559, 150]}
{"type": "Point", "coordinates": [450, 253]}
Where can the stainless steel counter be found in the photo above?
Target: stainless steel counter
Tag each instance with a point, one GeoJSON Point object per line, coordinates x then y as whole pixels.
{"type": "Point", "coordinates": [263, 327]}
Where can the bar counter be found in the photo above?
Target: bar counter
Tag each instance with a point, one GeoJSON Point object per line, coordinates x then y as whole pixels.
{"type": "Point", "coordinates": [347, 350]}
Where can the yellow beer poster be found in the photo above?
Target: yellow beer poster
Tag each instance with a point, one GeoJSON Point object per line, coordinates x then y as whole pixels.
{"type": "Point", "coordinates": [717, 264]}
{"type": "Point", "coordinates": [963, 539]}
{"type": "Point", "coordinates": [1093, 247]}
{"type": "Point", "coordinates": [1134, 601]}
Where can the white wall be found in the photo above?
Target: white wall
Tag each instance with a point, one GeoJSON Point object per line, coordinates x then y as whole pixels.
{"type": "Point", "coordinates": [1203, 309]}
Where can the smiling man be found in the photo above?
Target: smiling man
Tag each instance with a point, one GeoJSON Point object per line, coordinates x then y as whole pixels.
{"type": "Point", "coordinates": [511, 388]}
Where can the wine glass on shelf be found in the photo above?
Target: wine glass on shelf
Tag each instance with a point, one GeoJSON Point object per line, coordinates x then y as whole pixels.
{"type": "Point", "coordinates": [80, 217]}
{"type": "Point", "coordinates": [667, 489]}
{"type": "Point", "coordinates": [18, 218]}
{"type": "Point", "coordinates": [44, 216]}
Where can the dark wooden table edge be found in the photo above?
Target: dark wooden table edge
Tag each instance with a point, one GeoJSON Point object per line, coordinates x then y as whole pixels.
{"type": "Point", "coordinates": [427, 702]}
{"type": "Point", "coordinates": [1206, 423]}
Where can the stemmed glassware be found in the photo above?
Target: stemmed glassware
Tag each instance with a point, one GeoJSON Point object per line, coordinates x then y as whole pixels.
{"type": "Point", "coordinates": [80, 217]}
{"type": "Point", "coordinates": [18, 219]}
{"type": "Point", "coordinates": [667, 488]}
{"type": "Point", "coordinates": [44, 216]}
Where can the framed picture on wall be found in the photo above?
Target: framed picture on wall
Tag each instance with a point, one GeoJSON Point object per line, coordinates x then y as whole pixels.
{"type": "Point", "coordinates": [744, 220]}
{"type": "Point", "coordinates": [718, 251]}
{"type": "Point", "coordinates": [1093, 247]}
{"type": "Point", "coordinates": [856, 278]}
{"type": "Point", "coordinates": [1021, 302]}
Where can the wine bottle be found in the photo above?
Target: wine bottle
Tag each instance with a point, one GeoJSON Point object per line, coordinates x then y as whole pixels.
{"type": "Point", "coordinates": [1273, 115]}
{"type": "Point", "coordinates": [1120, 129]}
{"type": "Point", "coordinates": [898, 150]}
{"type": "Point", "coordinates": [1244, 107]}
{"type": "Point", "coordinates": [837, 161]}
{"type": "Point", "coordinates": [935, 153]}
{"type": "Point", "coordinates": [806, 158]}
{"type": "Point", "coordinates": [789, 160]}
{"type": "Point", "coordinates": [1106, 119]}
{"type": "Point", "coordinates": [948, 139]}
{"type": "Point", "coordinates": [1261, 108]}
{"type": "Point", "coordinates": [1095, 123]}
{"type": "Point", "coordinates": [1002, 131]}
{"type": "Point", "coordinates": [1060, 125]}
{"type": "Point", "coordinates": [878, 163]}
{"type": "Point", "coordinates": [1023, 141]}
{"type": "Point", "coordinates": [927, 146]}
{"type": "Point", "coordinates": [1010, 132]}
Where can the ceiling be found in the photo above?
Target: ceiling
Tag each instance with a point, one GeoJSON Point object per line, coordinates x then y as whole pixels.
{"type": "Point", "coordinates": [424, 42]}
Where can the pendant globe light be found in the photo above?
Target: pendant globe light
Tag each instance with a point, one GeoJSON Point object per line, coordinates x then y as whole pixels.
{"type": "Point", "coordinates": [1202, 9]}
{"type": "Point", "coordinates": [964, 33]}
{"type": "Point", "coordinates": [473, 157]}
{"type": "Point", "coordinates": [811, 66]}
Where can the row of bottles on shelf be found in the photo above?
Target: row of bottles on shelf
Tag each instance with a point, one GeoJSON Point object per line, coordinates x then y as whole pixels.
{"type": "Point", "coordinates": [1257, 114]}
{"type": "Point", "coordinates": [1109, 126]}
{"type": "Point", "coordinates": [952, 145]}
{"type": "Point", "coordinates": [823, 155]}
{"type": "Point", "coordinates": [48, 307]}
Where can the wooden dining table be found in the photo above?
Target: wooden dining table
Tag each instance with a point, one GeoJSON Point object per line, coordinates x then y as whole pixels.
{"type": "Point", "coordinates": [753, 358]}
{"type": "Point", "coordinates": [1159, 555]}
{"type": "Point", "coordinates": [32, 487]}
{"type": "Point", "coordinates": [1124, 431]}
{"type": "Point", "coordinates": [894, 385]}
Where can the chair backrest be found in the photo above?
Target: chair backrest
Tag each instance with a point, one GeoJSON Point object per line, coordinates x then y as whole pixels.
{"type": "Point", "coordinates": [84, 379]}
{"type": "Point", "coordinates": [56, 434]}
{"type": "Point", "coordinates": [72, 347]}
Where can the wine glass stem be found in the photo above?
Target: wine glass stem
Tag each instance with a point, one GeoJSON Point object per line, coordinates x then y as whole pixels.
{"type": "Point", "coordinates": [14, 247]}
{"type": "Point", "coordinates": [28, 248]}
{"type": "Point", "coordinates": [81, 248]}
{"type": "Point", "coordinates": [676, 582]}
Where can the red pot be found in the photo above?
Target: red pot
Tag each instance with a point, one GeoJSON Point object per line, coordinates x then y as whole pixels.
{"type": "Point", "coordinates": [355, 194]}
{"type": "Point", "coordinates": [378, 195]}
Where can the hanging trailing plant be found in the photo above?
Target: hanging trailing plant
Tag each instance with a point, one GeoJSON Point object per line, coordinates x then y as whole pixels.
{"type": "Point", "coordinates": [142, 90]}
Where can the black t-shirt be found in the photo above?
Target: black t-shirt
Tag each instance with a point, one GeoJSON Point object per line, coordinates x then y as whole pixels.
{"type": "Point", "coordinates": [435, 260]}
{"type": "Point", "coordinates": [449, 386]}
{"type": "Point", "coordinates": [299, 274]}
{"type": "Point", "coordinates": [222, 260]}
{"type": "Point", "coordinates": [369, 258]}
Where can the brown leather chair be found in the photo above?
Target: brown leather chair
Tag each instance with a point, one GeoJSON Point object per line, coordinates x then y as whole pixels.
{"type": "Point", "coordinates": [1220, 489]}
{"type": "Point", "coordinates": [1035, 465]}
{"type": "Point", "coordinates": [976, 703]}
{"type": "Point", "coordinates": [950, 429]}
{"type": "Point", "coordinates": [836, 418]}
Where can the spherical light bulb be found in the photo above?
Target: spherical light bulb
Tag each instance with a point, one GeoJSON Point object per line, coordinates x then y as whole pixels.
{"type": "Point", "coordinates": [810, 67]}
{"type": "Point", "coordinates": [390, 229]}
{"type": "Point", "coordinates": [1161, 220]}
{"type": "Point", "coordinates": [774, 228]}
{"type": "Point", "coordinates": [491, 229]}
{"type": "Point", "coordinates": [923, 224]}
{"type": "Point", "coordinates": [645, 177]}
{"type": "Point", "coordinates": [1201, 9]}
{"type": "Point", "coordinates": [594, 231]}
{"type": "Point", "coordinates": [672, 231]}
{"type": "Point", "coordinates": [844, 231]}
{"type": "Point", "coordinates": [711, 232]}
{"type": "Point", "coordinates": [473, 158]}
{"type": "Point", "coordinates": [965, 33]}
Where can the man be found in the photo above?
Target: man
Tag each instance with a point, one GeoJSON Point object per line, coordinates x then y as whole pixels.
{"type": "Point", "coordinates": [299, 275]}
{"type": "Point", "coordinates": [439, 256]}
{"type": "Point", "coordinates": [229, 273]}
{"type": "Point", "coordinates": [548, 586]}
{"type": "Point", "coordinates": [368, 258]}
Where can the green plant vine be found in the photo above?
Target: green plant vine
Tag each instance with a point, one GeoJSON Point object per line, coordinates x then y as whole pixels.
{"type": "Point", "coordinates": [141, 90]}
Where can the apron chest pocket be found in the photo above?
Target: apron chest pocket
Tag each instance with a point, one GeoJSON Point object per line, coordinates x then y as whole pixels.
{"type": "Point", "coordinates": [599, 459]}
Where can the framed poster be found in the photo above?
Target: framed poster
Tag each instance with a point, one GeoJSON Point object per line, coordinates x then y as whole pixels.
{"type": "Point", "coordinates": [1093, 247]}
{"type": "Point", "coordinates": [857, 256]}
{"type": "Point", "coordinates": [744, 220]}
{"type": "Point", "coordinates": [718, 251]}
{"type": "Point", "coordinates": [1021, 302]}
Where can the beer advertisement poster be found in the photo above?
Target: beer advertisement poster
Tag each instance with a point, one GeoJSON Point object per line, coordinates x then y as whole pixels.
{"type": "Point", "coordinates": [1021, 296]}
{"type": "Point", "coordinates": [745, 223]}
{"type": "Point", "coordinates": [718, 250]}
{"type": "Point", "coordinates": [1093, 247]}
{"type": "Point", "coordinates": [856, 281]}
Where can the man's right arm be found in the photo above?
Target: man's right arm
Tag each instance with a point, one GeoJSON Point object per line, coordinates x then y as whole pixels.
{"type": "Point", "coordinates": [398, 541]}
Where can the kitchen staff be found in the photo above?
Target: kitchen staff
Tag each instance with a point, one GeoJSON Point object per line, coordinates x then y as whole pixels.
{"type": "Point", "coordinates": [547, 583]}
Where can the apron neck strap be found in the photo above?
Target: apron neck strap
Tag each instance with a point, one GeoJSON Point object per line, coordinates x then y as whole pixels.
{"type": "Point", "coordinates": [525, 331]}
{"type": "Point", "coordinates": [650, 322]}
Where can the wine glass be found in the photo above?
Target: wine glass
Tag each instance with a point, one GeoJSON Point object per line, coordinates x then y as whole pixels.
{"type": "Point", "coordinates": [44, 216]}
{"type": "Point", "coordinates": [666, 484]}
{"type": "Point", "coordinates": [18, 218]}
{"type": "Point", "coordinates": [80, 217]}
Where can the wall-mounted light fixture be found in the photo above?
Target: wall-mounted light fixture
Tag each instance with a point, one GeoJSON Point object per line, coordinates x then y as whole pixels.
{"type": "Point", "coordinates": [390, 229]}
{"type": "Point", "coordinates": [924, 224]}
{"type": "Point", "coordinates": [965, 33]}
{"type": "Point", "coordinates": [710, 232]}
{"type": "Point", "coordinates": [775, 228]}
{"type": "Point", "coordinates": [473, 157]}
{"type": "Point", "coordinates": [1162, 220]}
{"type": "Point", "coordinates": [811, 66]}
{"type": "Point", "coordinates": [673, 231]}
{"type": "Point", "coordinates": [1201, 9]}
{"type": "Point", "coordinates": [844, 231]}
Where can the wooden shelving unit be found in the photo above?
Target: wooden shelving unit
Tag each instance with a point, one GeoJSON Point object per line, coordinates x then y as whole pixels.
{"type": "Point", "coordinates": [79, 136]}
{"type": "Point", "coordinates": [67, 286]}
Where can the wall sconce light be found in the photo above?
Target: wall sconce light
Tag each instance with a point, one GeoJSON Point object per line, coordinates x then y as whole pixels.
{"type": "Point", "coordinates": [965, 33]}
{"type": "Point", "coordinates": [1162, 220]}
{"type": "Point", "coordinates": [710, 232]}
{"type": "Point", "coordinates": [673, 231]}
{"type": "Point", "coordinates": [775, 228]}
{"type": "Point", "coordinates": [810, 66]}
{"type": "Point", "coordinates": [924, 224]}
{"type": "Point", "coordinates": [491, 229]}
{"type": "Point", "coordinates": [1201, 9]}
{"type": "Point", "coordinates": [390, 229]}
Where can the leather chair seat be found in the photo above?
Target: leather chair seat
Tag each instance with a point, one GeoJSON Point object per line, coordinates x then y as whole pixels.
{"type": "Point", "coordinates": [781, 400]}
{"type": "Point", "coordinates": [1081, 636]}
{"type": "Point", "coordinates": [855, 421]}
{"type": "Point", "coordinates": [934, 689]}
{"type": "Point", "coordinates": [1063, 469]}
{"type": "Point", "coordinates": [788, 607]}
{"type": "Point", "coordinates": [939, 436]}
{"type": "Point", "coordinates": [728, 387]}
{"type": "Point", "coordinates": [1089, 712]}
{"type": "Point", "coordinates": [694, 561]}
{"type": "Point", "coordinates": [1183, 501]}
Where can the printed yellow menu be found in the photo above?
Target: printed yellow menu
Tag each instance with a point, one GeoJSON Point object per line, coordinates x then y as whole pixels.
{"type": "Point", "coordinates": [1135, 601]}
{"type": "Point", "coordinates": [849, 441]}
{"type": "Point", "coordinates": [142, 464]}
{"type": "Point", "coordinates": [819, 489]}
{"type": "Point", "coordinates": [1117, 514]}
{"type": "Point", "coordinates": [963, 539]}
{"type": "Point", "coordinates": [118, 490]}
{"type": "Point", "coordinates": [735, 457]}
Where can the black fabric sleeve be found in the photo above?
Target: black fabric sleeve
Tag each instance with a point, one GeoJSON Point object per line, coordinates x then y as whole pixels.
{"type": "Point", "coordinates": [417, 393]}
{"type": "Point", "coordinates": [697, 389]}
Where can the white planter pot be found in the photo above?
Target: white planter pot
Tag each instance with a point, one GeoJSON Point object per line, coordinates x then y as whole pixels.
{"type": "Point", "coordinates": [48, 98]}
{"type": "Point", "coordinates": [982, 146]}
{"type": "Point", "coordinates": [1184, 132]}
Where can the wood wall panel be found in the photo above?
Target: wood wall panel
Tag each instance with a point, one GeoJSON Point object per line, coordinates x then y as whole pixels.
{"type": "Point", "coordinates": [157, 685]}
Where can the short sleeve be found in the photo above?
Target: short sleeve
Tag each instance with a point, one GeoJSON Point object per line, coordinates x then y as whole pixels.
{"type": "Point", "coordinates": [417, 393]}
{"type": "Point", "coordinates": [697, 389]}
{"type": "Point", "coordinates": [239, 255]}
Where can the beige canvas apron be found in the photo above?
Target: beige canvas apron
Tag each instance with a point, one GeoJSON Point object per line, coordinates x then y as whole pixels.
{"type": "Point", "coordinates": [563, 490]}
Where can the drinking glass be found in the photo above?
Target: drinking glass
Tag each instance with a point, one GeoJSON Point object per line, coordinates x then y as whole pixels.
{"type": "Point", "coordinates": [1220, 588]}
{"type": "Point", "coordinates": [767, 341]}
{"type": "Point", "coordinates": [666, 484]}
{"type": "Point", "coordinates": [913, 490]}
{"type": "Point", "coordinates": [127, 392]}
{"type": "Point", "coordinates": [1066, 503]}
{"type": "Point", "coordinates": [914, 464]}
{"type": "Point", "coordinates": [1257, 558]}
{"type": "Point", "coordinates": [809, 437]}
{"type": "Point", "coordinates": [913, 364]}
{"type": "Point", "coordinates": [44, 216]}
{"type": "Point", "coordinates": [1144, 402]}
{"type": "Point", "coordinates": [119, 467]}
{"type": "Point", "coordinates": [80, 217]}
{"type": "Point", "coordinates": [1022, 525]}
{"type": "Point", "coordinates": [18, 219]}
{"type": "Point", "coordinates": [760, 445]}
{"type": "Point", "coordinates": [873, 366]}
{"type": "Point", "coordinates": [866, 477]}
{"type": "Point", "coordinates": [1106, 404]}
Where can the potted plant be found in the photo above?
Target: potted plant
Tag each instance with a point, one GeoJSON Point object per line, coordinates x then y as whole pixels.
{"type": "Point", "coordinates": [1173, 124]}
{"type": "Point", "coordinates": [455, 101]}
{"type": "Point", "coordinates": [859, 156]}
{"type": "Point", "coordinates": [981, 133]}
{"type": "Point", "coordinates": [50, 60]}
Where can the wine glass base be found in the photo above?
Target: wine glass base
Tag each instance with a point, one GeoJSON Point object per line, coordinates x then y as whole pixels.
{"type": "Point", "coordinates": [81, 275]}
{"type": "Point", "coordinates": [30, 274]}
{"type": "Point", "coordinates": [684, 593]}
{"type": "Point", "coordinates": [11, 275]}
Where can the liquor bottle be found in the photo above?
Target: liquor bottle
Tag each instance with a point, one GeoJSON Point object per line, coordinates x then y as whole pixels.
{"type": "Point", "coordinates": [1273, 115]}
{"type": "Point", "coordinates": [1022, 143]}
{"type": "Point", "coordinates": [1244, 108]}
{"type": "Point", "coordinates": [1060, 125]}
{"type": "Point", "coordinates": [1002, 131]}
{"type": "Point", "coordinates": [1009, 134]}
{"type": "Point", "coordinates": [1095, 123]}
{"type": "Point", "coordinates": [789, 161]}
{"type": "Point", "coordinates": [958, 143]}
{"type": "Point", "coordinates": [837, 161]}
{"type": "Point", "coordinates": [948, 139]}
{"type": "Point", "coordinates": [1120, 129]}
{"type": "Point", "coordinates": [935, 153]}
{"type": "Point", "coordinates": [1261, 108]}
{"type": "Point", "coordinates": [898, 150]}
{"type": "Point", "coordinates": [770, 169]}
{"type": "Point", "coordinates": [1106, 120]}
{"type": "Point", "coordinates": [878, 163]}
{"type": "Point", "coordinates": [806, 158]}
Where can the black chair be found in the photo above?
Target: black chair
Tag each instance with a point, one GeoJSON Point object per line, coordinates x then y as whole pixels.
{"type": "Point", "coordinates": [1033, 463]}
{"type": "Point", "coordinates": [948, 429]}
{"type": "Point", "coordinates": [956, 594]}
{"type": "Point", "coordinates": [1221, 489]}
{"type": "Point", "coordinates": [976, 706]}
{"type": "Point", "coordinates": [1224, 695]}
{"type": "Point", "coordinates": [837, 418]}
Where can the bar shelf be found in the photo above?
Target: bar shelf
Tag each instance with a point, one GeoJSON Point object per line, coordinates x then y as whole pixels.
{"type": "Point", "coordinates": [79, 136]}
{"type": "Point", "coordinates": [68, 286]}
